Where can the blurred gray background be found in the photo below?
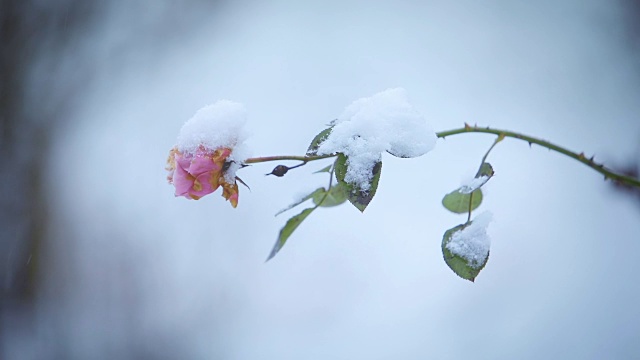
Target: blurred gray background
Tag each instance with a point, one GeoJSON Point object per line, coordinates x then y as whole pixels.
{"type": "Point", "coordinates": [100, 261]}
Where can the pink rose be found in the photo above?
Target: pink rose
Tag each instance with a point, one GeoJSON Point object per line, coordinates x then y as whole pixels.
{"type": "Point", "coordinates": [199, 174]}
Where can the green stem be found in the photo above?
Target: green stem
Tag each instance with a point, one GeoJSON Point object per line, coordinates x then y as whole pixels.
{"type": "Point", "coordinates": [470, 206]}
{"type": "Point", "coordinates": [287, 157]}
{"type": "Point", "coordinates": [608, 173]}
{"type": "Point", "coordinates": [484, 159]}
{"type": "Point", "coordinates": [328, 189]}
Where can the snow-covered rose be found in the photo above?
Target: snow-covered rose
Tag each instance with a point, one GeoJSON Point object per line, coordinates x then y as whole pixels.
{"type": "Point", "coordinates": [210, 149]}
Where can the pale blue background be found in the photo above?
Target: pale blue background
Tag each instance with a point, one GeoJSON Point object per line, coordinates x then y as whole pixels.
{"type": "Point", "coordinates": [133, 272]}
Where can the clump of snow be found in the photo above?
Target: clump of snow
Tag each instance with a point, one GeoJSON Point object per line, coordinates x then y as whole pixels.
{"type": "Point", "coordinates": [369, 126]}
{"type": "Point", "coordinates": [472, 243]}
{"type": "Point", "coordinates": [473, 185]}
{"type": "Point", "coordinates": [219, 125]}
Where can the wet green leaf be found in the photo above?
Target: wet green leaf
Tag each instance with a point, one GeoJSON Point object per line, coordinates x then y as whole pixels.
{"type": "Point", "coordinates": [485, 170]}
{"type": "Point", "coordinates": [336, 196]}
{"type": "Point", "coordinates": [325, 169]}
{"type": "Point", "coordinates": [316, 192]}
{"type": "Point", "coordinates": [458, 202]}
{"type": "Point", "coordinates": [288, 229]}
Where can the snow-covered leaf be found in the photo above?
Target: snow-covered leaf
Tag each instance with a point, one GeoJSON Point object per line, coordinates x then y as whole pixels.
{"type": "Point", "coordinates": [385, 121]}
{"type": "Point", "coordinates": [370, 126]}
{"type": "Point", "coordinates": [458, 264]}
{"type": "Point", "coordinates": [400, 155]}
{"type": "Point", "coordinates": [473, 185]}
{"type": "Point", "coordinates": [358, 197]}
{"type": "Point", "coordinates": [458, 202]}
{"type": "Point", "coordinates": [288, 229]}
{"type": "Point", "coordinates": [482, 176]}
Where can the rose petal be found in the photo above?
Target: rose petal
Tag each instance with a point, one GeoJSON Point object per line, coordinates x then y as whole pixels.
{"type": "Point", "coordinates": [219, 157]}
{"type": "Point", "coordinates": [230, 192]}
{"type": "Point", "coordinates": [202, 186]}
{"type": "Point", "coordinates": [183, 161]}
{"type": "Point", "coordinates": [221, 154]}
{"type": "Point", "coordinates": [202, 164]}
{"type": "Point", "coordinates": [199, 174]}
{"type": "Point", "coordinates": [233, 199]}
{"type": "Point", "coordinates": [182, 181]}
{"type": "Point", "coordinates": [214, 180]}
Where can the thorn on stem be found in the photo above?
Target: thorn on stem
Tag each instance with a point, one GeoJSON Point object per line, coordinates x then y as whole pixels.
{"type": "Point", "coordinates": [243, 183]}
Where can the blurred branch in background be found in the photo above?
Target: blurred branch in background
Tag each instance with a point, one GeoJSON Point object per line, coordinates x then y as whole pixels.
{"type": "Point", "coordinates": [52, 52]}
{"type": "Point", "coordinates": [30, 30]}
{"type": "Point", "coordinates": [632, 168]}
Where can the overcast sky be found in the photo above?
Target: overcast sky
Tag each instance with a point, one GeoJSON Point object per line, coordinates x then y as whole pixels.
{"type": "Point", "coordinates": [135, 272]}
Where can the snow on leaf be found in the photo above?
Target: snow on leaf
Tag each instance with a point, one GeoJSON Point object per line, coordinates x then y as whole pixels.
{"type": "Point", "coordinates": [369, 126]}
{"type": "Point", "coordinates": [482, 176]}
{"type": "Point", "coordinates": [473, 185]}
{"type": "Point", "coordinates": [466, 247]}
{"type": "Point", "coordinates": [359, 197]}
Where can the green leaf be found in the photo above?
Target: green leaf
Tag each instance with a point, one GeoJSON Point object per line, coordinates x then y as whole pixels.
{"type": "Point", "coordinates": [358, 197]}
{"type": "Point", "coordinates": [325, 169]}
{"type": "Point", "coordinates": [458, 264]}
{"type": "Point", "coordinates": [318, 191]}
{"type": "Point", "coordinates": [485, 170]}
{"type": "Point", "coordinates": [288, 229]}
{"type": "Point", "coordinates": [336, 196]}
{"type": "Point", "coordinates": [458, 202]}
{"type": "Point", "coordinates": [340, 166]}
{"type": "Point", "coordinates": [317, 141]}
